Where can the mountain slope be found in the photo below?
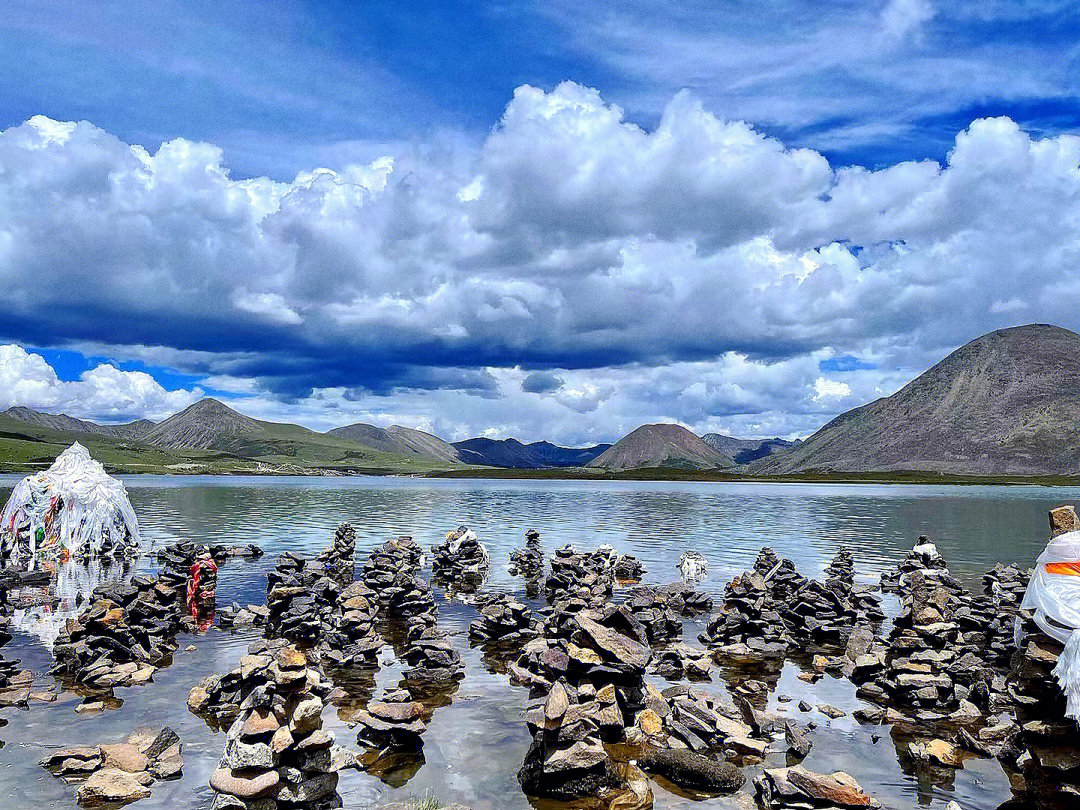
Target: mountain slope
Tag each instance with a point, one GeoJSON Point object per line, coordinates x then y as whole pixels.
{"type": "Point", "coordinates": [1005, 403]}
{"type": "Point", "coordinates": [70, 424]}
{"type": "Point", "coordinates": [398, 439]}
{"type": "Point", "coordinates": [537, 455]}
{"type": "Point", "coordinates": [661, 446]}
{"type": "Point", "coordinates": [743, 451]}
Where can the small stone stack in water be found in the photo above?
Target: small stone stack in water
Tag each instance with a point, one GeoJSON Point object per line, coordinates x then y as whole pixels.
{"type": "Point", "coordinates": [300, 598]}
{"type": "Point", "coordinates": [217, 698]}
{"type": "Point", "coordinates": [395, 724]}
{"type": "Point", "coordinates": [339, 560]}
{"type": "Point", "coordinates": [528, 563]}
{"type": "Point", "coordinates": [749, 624]}
{"type": "Point", "coordinates": [567, 759]}
{"type": "Point", "coordinates": [589, 577]}
{"type": "Point", "coordinates": [650, 606]}
{"type": "Point", "coordinates": [351, 638]}
{"type": "Point", "coordinates": [461, 560]}
{"type": "Point", "coordinates": [503, 619]}
{"type": "Point", "coordinates": [277, 754]}
{"type": "Point", "coordinates": [402, 555]}
{"type": "Point", "coordinates": [628, 568]}
{"type": "Point", "coordinates": [796, 787]}
{"type": "Point", "coordinates": [128, 630]}
{"type": "Point", "coordinates": [863, 603]}
{"type": "Point", "coordinates": [923, 557]}
{"type": "Point", "coordinates": [433, 661]}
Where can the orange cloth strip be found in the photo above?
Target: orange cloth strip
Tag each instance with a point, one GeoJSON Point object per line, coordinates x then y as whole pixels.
{"type": "Point", "coordinates": [1070, 569]}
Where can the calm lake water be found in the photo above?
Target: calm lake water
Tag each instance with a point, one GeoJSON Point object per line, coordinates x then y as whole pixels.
{"type": "Point", "coordinates": [474, 746]}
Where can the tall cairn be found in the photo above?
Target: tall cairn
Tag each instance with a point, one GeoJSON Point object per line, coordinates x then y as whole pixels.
{"type": "Point", "coordinates": [277, 754]}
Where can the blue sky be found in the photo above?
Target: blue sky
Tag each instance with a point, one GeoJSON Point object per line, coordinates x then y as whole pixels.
{"type": "Point", "coordinates": [550, 220]}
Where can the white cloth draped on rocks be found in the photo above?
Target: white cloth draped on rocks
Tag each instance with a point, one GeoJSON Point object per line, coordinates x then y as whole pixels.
{"type": "Point", "coordinates": [74, 508]}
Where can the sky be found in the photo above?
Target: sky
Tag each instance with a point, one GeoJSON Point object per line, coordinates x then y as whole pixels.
{"type": "Point", "coordinates": [549, 221]}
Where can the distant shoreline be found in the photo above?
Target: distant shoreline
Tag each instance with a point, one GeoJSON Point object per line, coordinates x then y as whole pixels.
{"type": "Point", "coordinates": [591, 474]}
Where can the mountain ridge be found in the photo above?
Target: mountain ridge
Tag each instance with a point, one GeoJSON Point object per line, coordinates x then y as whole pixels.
{"type": "Point", "coordinates": [661, 445]}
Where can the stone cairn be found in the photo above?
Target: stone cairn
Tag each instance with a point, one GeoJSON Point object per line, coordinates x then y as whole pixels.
{"type": "Point", "coordinates": [796, 787]}
{"type": "Point", "coordinates": [749, 626]}
{"type": "Point", "coordinates": [628, 568]}
{"type": "Point", "coordinates": [390, 572]}
{"type": "Point", "coordinates": [504, 619]}
{"type": "Point", "coordinates": [434, 665]}
{"type": "Point", "coordinates": [300, 598]}
{"type": "Point", "coordinates": [661, 609]}
{"type": "Point", "coordinates": [277, 754]}
{"type": "Point", "coordinates": [588, 578]}
{"type": "Point", "coordinates": [592, 667]}
{"type": "Point", "coordinates": [1045, 752]}
{"type": "Point", "coordinates": [339, 561]}
{"type": "Point", "coordinates": [925, 558]}
{"type": "Point", "coordinates": [528, 563]}
{"type": "Point", "coordinates": [391, 727]}
{"type": "Point", "coordinates": [118, 773]}
{"type": "Point", "coordinates": [461, 561]}
{"type": "Point", "coordinates": [351, 639]}
{"type": "Point", "coordinates": [861, 602]}
{"type": "Point", "coordinates": [124, 635]}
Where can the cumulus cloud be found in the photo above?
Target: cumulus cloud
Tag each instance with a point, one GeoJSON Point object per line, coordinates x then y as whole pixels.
{"type": "Point", "coordinates": [101, 392]}
{"type": "Point", "coordinates": [698, 270]}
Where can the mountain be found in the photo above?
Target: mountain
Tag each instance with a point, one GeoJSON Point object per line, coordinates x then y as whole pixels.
{"type": "Point", "coordinates": [70, 424]}
{"type": "Point", "coordinates": [1005, 403]}
{"type": "Point", "coordinates": [398, 439]}
{"type": "Point", "coordinates": [512, 453]}
{"type": "Point", "coordinates": [743, 451]}
{"type": "Point", "coordinates": [661, 446]}
{"type": "Point", "coordinates": [206, 425]}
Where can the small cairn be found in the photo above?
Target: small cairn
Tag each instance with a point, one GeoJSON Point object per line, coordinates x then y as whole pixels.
{"type": "Point", "coordinates": [118, 773]}
{"type": "Point", "coordinates": [749, 625]}
{"type": "Point", "coordinates": [461, 560]}
{"type": "Point", "coordinates": [504, 619]}
{"type": "Point", "coordinates": [629, 569]}
{"type": "Point", "coordinates": [1044, 746]}
{"type": "Point", "coordinates": [339, 561]}
{"type": "Point", "coordinates": [861, 600]}
{"type": "Point", "coordinates": [681, 717]}
{"type": "Point", "coordinates": [680, 660]}
{"type": "Point", "coordinates": [434, 664]}
{"type": "Point", "coordinates": [923, 557]}
{"type": "Point", "coordinates": [998, 607]}
{"type": "Point", "coordinates": [277, 754]}
{"type": "Point", "coordinates": [300, 597]}
{"type": "Point", "coordinates": [351, 638]}
{"type": "Point", "coordinates": [217, 698]}
{"type": "Point", "coordinates": [392, 725]}
{"type": "Point", "coordinates": [567, 759]}
{"type": "Point", "coordinates": [124, 635]}
{"type": "Point", "coordinates": [589, 577]}
{"type": "Point", "coordinates": [652, 609]}
{"type": "Point", "coordinates": [528, 563]}
{"type": "Point", "coordinates": [389, 572]}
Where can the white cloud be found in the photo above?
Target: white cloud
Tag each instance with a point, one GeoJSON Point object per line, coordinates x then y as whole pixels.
{"type": "Point", "coordinates": [697, 271]}
{"type": "Point", "coordinates": [104, 391]}
{"type": "Point", "coordinates": [902, 17]}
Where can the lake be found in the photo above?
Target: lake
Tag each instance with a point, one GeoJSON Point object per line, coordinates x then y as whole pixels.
{"type": "Point", "coordinates": [474, 746]}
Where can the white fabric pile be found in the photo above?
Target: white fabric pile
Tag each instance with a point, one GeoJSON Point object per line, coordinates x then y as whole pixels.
{"type": "Point", "coordinates": [72, 509]}
{"type": "Point", "coordinates": [1053, 596]}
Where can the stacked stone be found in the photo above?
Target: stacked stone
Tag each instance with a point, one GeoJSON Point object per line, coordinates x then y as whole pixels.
{"type": "Point", "coordinates": [394, 557]}
{"type": "Point", "coordinates": [217, 698]}
{"type": "Point", "coordinates": [300, 597]}
{"type": "Point", "coordinates": [567, 759]}
{"type": "Point", "coordinates": [528, 562]}
{"type": "Point", "coordinates": [589, 577]}
{"type": "Point", "coordinates": [651, 608]}
{"type": "Point", "coordinates": [677, 661]}
{"type": "Point", "coordinates": [928, 672]}
{"type": "Point", "coordinates": [628, 568]}
{"type": "Point", "coordinates": [683, 717]}
{"type": "Point", "coordinates": [127, 631]}
{"type": "Point", "coordinates": [1046, 750]}
{"type": "Point", "coordinates": [393, 725]}
{"type": "Point", "coordinates": [503, 619]}
{"type": "Point", "coordinates": [601, 647]}
{"type": "Point", "coordinates": [339, 561]}
{"type": "Point", "coordinates": [277, 754]}
{"type": "Point", "coordinates": [351, 638]}
{"type": "Point", "coordinates": [749, 624]}
{"type": "Point", "coordinates": [999, 606]}
{"type": "Point", "coordinates": [461, 560]}
{"type": "Point", "coordinates": [923, 557]}
{"type": "Point", "coordinates": [433, 661]}
{"type": "Point", "coordinates": [862, 600]}
{"type": "Point", "coordinates": [687, 600]}
{"type": "Point", "coordinates": [177, 559]}
{"type": "Point", "coordinates": [236, 617]}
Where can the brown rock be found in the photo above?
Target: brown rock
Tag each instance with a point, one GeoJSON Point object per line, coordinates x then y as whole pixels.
{"type": "Point", "coordinates": [838, 788]}
{"type": "Point", "coordinates": [124, 757]}
{"type": "Point", "coordinates": [111, 786]}
{"type": "Point", "coordinates": [1063, 519]}
{"type": "Point", "coordinates": [243, 787]}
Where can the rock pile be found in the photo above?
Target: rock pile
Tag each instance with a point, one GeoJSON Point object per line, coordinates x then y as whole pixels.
{"type": "Point", "coordinates": [461, 560]}
{"type": "Point", "coordinates": [683, 717]}
{"type": "Point", "coordinates": [862, 603]}
{"type": "Point", "coordinates": [351, 638]}
{"type": "Point", "coordinates": [217, 698]}
{"type": "Point", "coordinates": [660, 609]}
{"type": "Point", "coordinates": [628, 568]}
{"type": "Point", "coordinates": [119, 773]}
{"type": "Point", "coordinates": [433, 662]}
{"type": "Point", "coordinates": [300, 598]}
{"type": "Point", "coordinates": [589, 577]}
{"type": "Point", "coordinates": [339, 561]}
{"type": "Point", "coordinates": [796, 787]}
{"type": "Point", "coordinates": [389, 572]}
{"type": "Point", "coordinates": [567, 759]}
{"type": "Point", "coordinates": [528, 563]}
{"type": "Point", "coordinates": [503, 619]}
{"type": "Point", "coordinates": [749, 625]}
{"type": "Point", "coordinates": [998, 607]}
{"type": "Point", "coordinates": [680, 660]}
{"type": "Point", "coordinates": [924, 557]}
{"type": "Point", "coordinates": [127, 631]}
{"type": "Point", "coordinates": [393, 725]}
{"type": "Point", "coordinates": [277, 754]}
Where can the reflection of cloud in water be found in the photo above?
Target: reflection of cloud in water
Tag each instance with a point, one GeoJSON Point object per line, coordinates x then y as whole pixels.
{"type": "Point", "coordinates": [44, 610]}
